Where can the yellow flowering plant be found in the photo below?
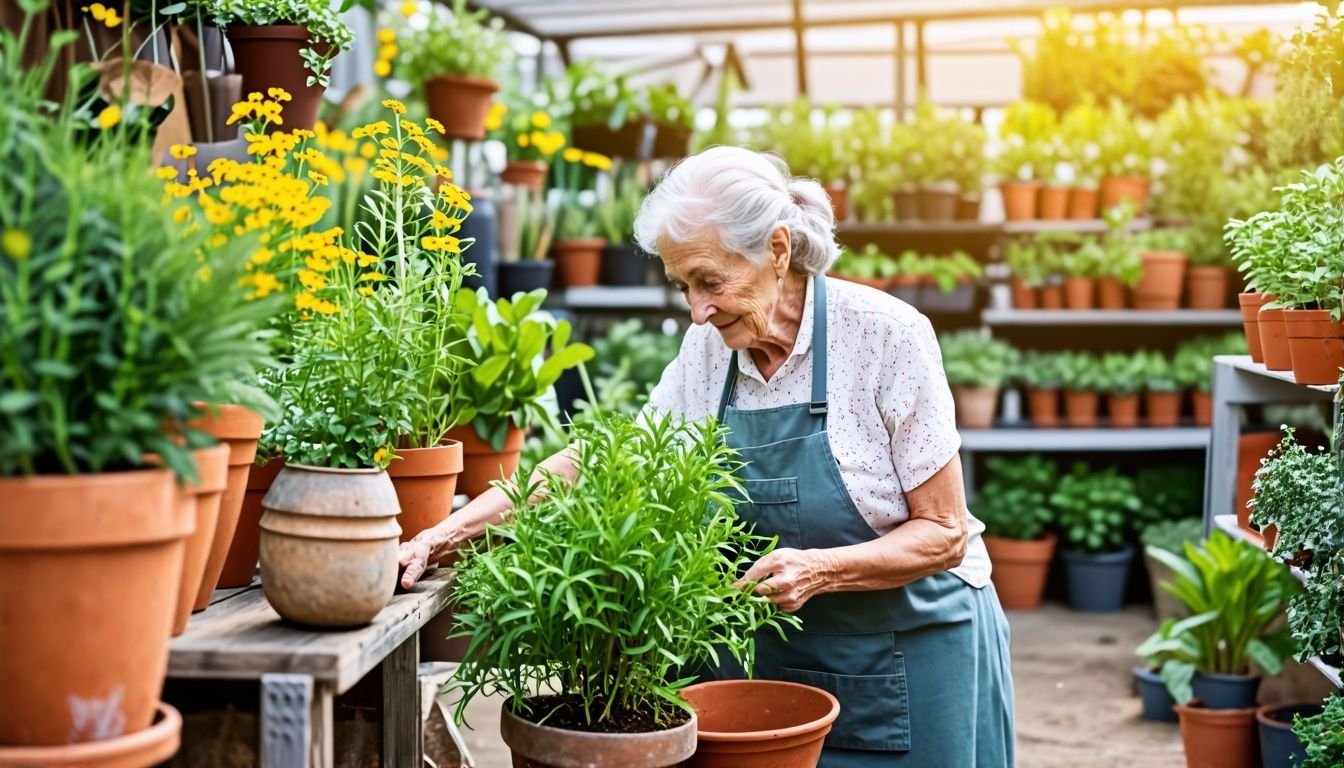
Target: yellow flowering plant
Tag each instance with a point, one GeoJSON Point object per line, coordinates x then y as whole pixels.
{"type": "Point", "coordinates": [577, 215]}
{"type": "Point", "coordinates": [528, 134]}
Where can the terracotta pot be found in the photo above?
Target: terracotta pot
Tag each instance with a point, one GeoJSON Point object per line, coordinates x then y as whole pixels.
{"type": "Point", "coordinates": [839, 201]}
{"type": "Point", "coordinates": [1110, 293]}
{"type": "Point", "coordinates": [671, 141]}
{"type": "Point", "coordinates": [1206, 287]}
{"type": "Point", "coordinates": [1082, 203]}
{"type": "Point", "coordinates": [1123, 409]}
{"type": "Point", "coordinates": [1019, 200]}
{"type": "Point", "coordinates": [760, 723]}
{"type": "Point", "coordinates": [975, 406]}
{"type": "Point", "coordinates": [1052, 296]}
{"type": "Point", "coordinates": [1117, 189]}
{"type": "Point", "coordinates": [938, 202]}
{"type": "Point", "coordinates": [1078, 292]}
{"type": "Point", "coordinates": [1019, 570]}
{"type": "Point", "coordinates": [1274, 340]}
{"type": "Point", "coordinates": [628, 141]}
{"type": "Point", "coordinates": [1160, 286]}
{"type": "Point", "coordinates": [1164, 408]}
{"type": "Point", "coordinates": [212, 464]}
{"type": "Point", "coordinates": [140, 749]}
{"type": "Point", "coordinates": [1080, 408]}
{"type": "Point", "coordinates": [461, 103]}
{"type": "Point", "coordinates": [578, 261]}
{"type": "Point", "coordinates": [1053, 204]}
{"type": "Point", "coordinates": [529, 174]}
{"type": "Point", "coordinates": [1219, 738]}
{"type": "Point", "coordinates": [968, 206]}
{"type": "Point", "coordinates": [329, 545]}
{"type": "Point", "coordinates": [1024, 296]}
{"type": "Point", "coordinates": [906, 204]}
{"type": "Point", "coordinates": [1043, 405]}
{"type": "Point", "coordinates": [89, 572]}
{"type": "Point", "coordinates": [544, 746]}
{"type": "Point", "coordinates": [241, 564]}
{"type": "Point", "coordinates": [1315, 344]}
{"type": "Point", "coordinates": [481, 464]}
{"type": "Point", "coordinates": [425, 479]}
{"type": "Point", "coordinates": [240, 429]}
{"type": "Point", "coordinates": [1203, 407]}
{"type": "Point", "coordinates": [1251, 448]}
{"type": "Point", "coordinates": [268, 57]}
{"type": "Point", "coordinates": [1250, 304]}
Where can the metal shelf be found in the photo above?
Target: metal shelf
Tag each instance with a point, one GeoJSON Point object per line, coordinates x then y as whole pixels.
{"type": "Point", "coordinates": [1040, 226]}
{"type": "Point", "coordinates": [1069, 439]}
{"type": "Point", "coordinates": [1331, 673]}
{"type": "Point", "coordinates": [1111, 317]}
{"type": "Point", "coordinates": [1079, 226]}
{"type": "Point", "coordinates": [1244, 363]}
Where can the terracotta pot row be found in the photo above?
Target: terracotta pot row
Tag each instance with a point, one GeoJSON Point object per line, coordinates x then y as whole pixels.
{"type": "Point", "coordinates": [936, 203]}
{"type": "Point", "coordinates": [1020, 568]}
{"type": "Point", "coordinates": [975, 406]}
{"type": "Point", "coordinates": [1164, 276]}
{"type": "Point", "coordinates": [1304, 341]}
{"type": "Point", "coordinates": [1081, 409]}
{"type": "Point", "coordinates": [1028, 201]}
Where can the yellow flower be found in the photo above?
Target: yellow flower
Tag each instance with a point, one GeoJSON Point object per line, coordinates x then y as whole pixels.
{"type": "Point", "coordinates": [382, 68]}
{"type": "Point", "coordinates": [573, 155]}
{"type": "Point", "coordinates": [16, 244]}
{"type": "Point", "coordinates": [364, 290]}
{"type": "Point", "coordinates": [388, 52]}
{"type": "Point", "coordinates": [434, 125]}
{"type": "Point", "coordinates": [524, 140]}
{"type": "Point", "coordinates": [218, 241]}
{"type": "Point", "coordinates": [182, 151]}
{"type": "Point", "coordinates": [366, 259]}
{"type": "Point", "coordinates": [279, 94]}
{"type": "Point", "coordinates": [596, 161]}
{"type": "Point", "coordinates": [112, 20]}
{"type": "Point", "coordinates": [254, 97]}
{"type": "Point", "coordinates": [318, 178]}
{"type": "Point", "coordinates": [495, 117]}
{"type": "Point", "coordinates": [382, 457]}
{"type": "Point", "coordinates": [167, 173]}
{"type": "Point", "coordinates": [205, 273]}
{"type": "Point", "coordinates": [110, 116]}
{"type": "Point", "coordinates": [408, 8]}
{"type": "Point", "coordinates": [181, 214]}
{"type": "Point", "coordinates": [312, 280]}
{"type": "Point", "coordinates": [395, 106]}
{"type": "Point", "coordinates": [541, 120]}
{"type": "Point", "coordinates": [386, 35]}
{"type": "Point", "coordinates": [262, 256]}
{"type": "Point", "coordinates": [372, 277]}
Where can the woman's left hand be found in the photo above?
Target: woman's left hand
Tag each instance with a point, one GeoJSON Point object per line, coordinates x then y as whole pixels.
{"type": "Point", "coordinates": [789, 577]}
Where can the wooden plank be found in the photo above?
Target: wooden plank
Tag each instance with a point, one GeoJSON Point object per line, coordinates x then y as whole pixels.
{"type": "Point", "coordinates": [220, 595]}
{"type": "Point", "coordinates": [402, 717]}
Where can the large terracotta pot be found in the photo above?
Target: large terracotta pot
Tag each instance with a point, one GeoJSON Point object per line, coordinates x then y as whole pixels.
{"type": "Point", "coordinates": [1219, 738]}
{"type": "Point", "coordinates": [1019, 200]}
{"type": "Point", "coordinates": [240, 429]}
{"type": "Point", "coordinates": [89, 572]}
{"type": "Point", "coordinates": [1110, 293]}
{"type": "Point", "coordinates": [1024, 296]}
{"type": "Point", "coordinates": [975, 406]}
{"type": "Point", "coordinates": [578, 262]}
{"type": "Point", "coordinates": [1052, 296]}
{"type": "Point", "coordinates": [1315, 344]}
{"type": "Point", "coordinates": [1117, 189]}
{"type": "Point", "coordinates": [1082, 203]}
{"type": "Point", "coordinates": [1078, 292]}
{"type": "Point", "coordinates": [1206, 287]}
{"type": "Point", "coordinates": [461, 103]}
{"type": "Point", "coordinates": [1274, 340]}
{"type": "Point", "coordinates": [1202, 403]}
{"type": "Point", "coordinates": [329, 545]}
{"type": "Point", "coordinates": [1043, 406]}
{"type": "Point", "coordinates": [1163, 276]}
{"type": "Point", "coordinates": [1250, 304]}
{"type": "Point", "coordinates": [482, 464]}
{"type": "Point", "coordinates": [839, 201]}
{"type": "Point", "coordinates": [1019, 570]}
{"type": "Point", "coordinates": [268, 57]}
{"type": "Point", "coordinates": [544, 746]}
{"type": "Point", "coordinates": [1080, 408]}
{"type": "Point", "coordinates": [528, 174]}
{"type": "Point", "coordinates": [425, 480]}
{"type": "Point", "coordinates": [760, 723]}
{"type": "Point", "coordinates": [241, 564]}
{"type": "Point", "coordinates": [140, 749]}
{"type": "Point", "coordinates": [212, 465]}
{"type": "Point", "coordinates": [1164, 408]}
{"type": "Point", "coordinates": [1123, 409]}
{"type": "Point", "coordinates": [1053, 204]}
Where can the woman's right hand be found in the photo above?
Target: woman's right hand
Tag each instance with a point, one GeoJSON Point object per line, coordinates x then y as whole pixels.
{"type": "Point", "coordinates": [428, 547]}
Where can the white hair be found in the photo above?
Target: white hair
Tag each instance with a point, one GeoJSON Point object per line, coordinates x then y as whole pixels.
{"type": "Point", "coordinates": [744, 196]}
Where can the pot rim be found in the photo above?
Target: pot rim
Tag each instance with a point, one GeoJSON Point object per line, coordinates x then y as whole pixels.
{"type": "Point", "coordinates": [263, 31]}
{"type": "Point", "coordinates": [165, 729]}
{"type": "Point", "coordinates": [482, 83]}
{"type": "Point", "coordinates": [335, 470]}
{"type": "Point", "coordinates": [825, 721]}
{"type": "Point", "coordinates": [1262, 714]}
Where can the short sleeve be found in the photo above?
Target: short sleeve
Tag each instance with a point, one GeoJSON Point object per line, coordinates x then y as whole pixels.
{"type": "Point", "coordinates": [668, 395]}
{"type": "Point", "coordinates": [916, 405]}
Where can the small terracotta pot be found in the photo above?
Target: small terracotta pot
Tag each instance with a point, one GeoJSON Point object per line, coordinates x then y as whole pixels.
{"type": "Point", "coordinates": [1019, 200]}
{"type": "Point", "coordinates": [1274, 340]}
{"type": "Point", "coordinates": [141, 749]}
{"type": "Point", "coordinates": [1251, 448]}
{"type": "Point", "coordinates": [240, 429]}
{"type": "Point", "coordinates": [1202, 403]}
{"type": "Point", "coordinates": [1053, 204]}
{"type": "Point", "coordinates": [1219, 738]}
{"type": "Point", "coordinates": [544, 746]}
{"type": "Point", "coordinates": [1110, 293]}
{"type": "Point", "coordinates": [1080, 408]}
{"type": "Point", "coordinates": [839, 201]}
{"type": "Point", "coordinates": [906, 204]}
{"type": "Point", "coordinates": [1250, 304]}
{"type": "Point", "coordinates": [481, 464]}
{"type": "Point", "coordinates": [425, 479]}
{"type": "Point", "coordinates": [1117, 189]}
{"type": "Point", "coordinates": [1164, 408]}
{"type": "Point", "coordinates": [329, 545]}
{"type": "Point", "coordinates": [938, 202]}
{"type": "Point", "coordinates": [1043, 406]}
{"type": "Point", "coordinates": [1024, 296]}
{"type": "Point", "coordinates": [1082, 203]}
{"type": "Point", "coordinates": [760, 723]}
{"type": "Point", "coordinates": [1315, 344]}
{"type": "Point", "coordinates": [241, 564]}
{"type": "Point", "coordinates": [268, 57]}
{"type": "Point", "coordinates": [1019, 570]}
{"type": "Point", "coordinates": [1206, 287]}
{"type": "Point", "coordinates": [578, 261]}
{"type": "Point", "coordinates": [1163, 276]}
{"type": "Point", "coordinates": [1078, 293]}
{"type": "Point", "coordinates": [528, 174]}
{"type": "Point", "coordinates": [461, 103]}
{"type": "Point", "coordinates": [90, 567]}
{"type": "Point", "coordinates": [1052, 296]}
{"type": "Point", "coordinates": [1123, 410]}
{"type": "Point", "coordinates": [212, 465]}
{"type": "Point", "coordinates": [975, 406]}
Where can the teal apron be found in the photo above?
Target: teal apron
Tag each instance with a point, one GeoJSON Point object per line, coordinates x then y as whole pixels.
{"type": "Point", "coordinates": [921, 671]}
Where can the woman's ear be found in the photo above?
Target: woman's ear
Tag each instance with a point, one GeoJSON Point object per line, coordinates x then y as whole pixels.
{"type": "Point", "coordinates": [781, 250]}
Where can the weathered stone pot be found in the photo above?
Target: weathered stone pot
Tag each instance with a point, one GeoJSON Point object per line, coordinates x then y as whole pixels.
{"type": "Point", "coordinates": [542, 746]}
{"type": "Point", "coordinates": [329, 544]}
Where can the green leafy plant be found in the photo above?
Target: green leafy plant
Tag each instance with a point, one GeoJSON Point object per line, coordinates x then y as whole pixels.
{"type": "Point", "coordinates": [597, 97]}
{"type": "Point", "coordinates": [669, 107]}
{"type": "Point", "coordinates": [1297, 491]}
{"type": "Point", "coordinates": [1309, 89]}
{"type": "Point", "coordinates": [617, 211]}
{"type": "Point", "coordinates": [1030, 143]}
{"type": "Point", "coordinates": [1169, 493]}
{"type": "Point", "coordinates": [1234, 592]}
{"type": "Point", "coordinates": [868, 263]}
{"type": "Point", "coordinates": [1095, 509]}
{"type": "Point", "coordinates": [972, 360]}
{"type": "Point", "coordinates": [1120, 373]}
{"type": "Point", "coordinates": [1158, 372]}
{"type": "Point", "coordinates": [1014, 502]}
{"type": "Point", "coordinates": [603, 590]}
{"type": "Point", "coordinates": [1027, 260]}
{"type": "Point", "coordinates": [1316, 614]}
{"type": "Point", "coordinates": [948, 271]}
{"type": "Point", "coordinates": [456, 41]}
{"type": "Point", "coordinates": [1041, 370]}
{"type": "Point", "coordinates": [1172, 535]}
{"type": "Point", "coordinates": [328, 35]}
{"type": "Point", "coordinates": [642, 355]}
{"type": "Point", "coordinates": [1323, 735]}
{"type": "Point", "coordinates": [1080, 372]}
{"type": "Point", "coordinates": [809, 139]}
{"type": "Point", "coordinates": [950, 149]}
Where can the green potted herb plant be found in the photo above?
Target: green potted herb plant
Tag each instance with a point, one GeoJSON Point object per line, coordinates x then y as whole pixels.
{"type": "Point", "coordinates": [1014, 505]}
{"type": "Point", "coordinates": [1164, 260]}
{"type": "Point", "coordinates": [531, 142]}
{"type": "Point", "coordinates": [1029, 273]}
{"type": "Point", "coordinates": [1122, 380]}
{"type": "Point", "coordinates": [608, 116]}
{"type": "Point", "coordinates": [623, 262]}
{"type": "Point", "coordinates": [1095, 512]}
{"type": "Point", "coordinates": [1161, 390]}
{"type": "Point", "coordinates": [950, 283]}
{"type": "Point", "coordinates": [1043, 376]}
{"type": "Point", "coordinates": [577, 250]}
{"type": "Point", "coordinates": [1124, 153]}
{"type": "Point", "coordinates": [1082, 388]}
{"type": "Point", "coordinates": [869, 266]}
{"type": "Point", "coordinates": [976, 369]}
{"type": "Point", "coordinates": [456, 57]}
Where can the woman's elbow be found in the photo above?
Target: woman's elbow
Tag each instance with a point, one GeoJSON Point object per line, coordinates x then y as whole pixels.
{"type": "Point", "coordinates": [957, 539]}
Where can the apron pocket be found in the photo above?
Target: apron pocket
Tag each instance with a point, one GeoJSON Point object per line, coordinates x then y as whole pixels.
{"type": "Point", "coordinates": [771, 507]}
{"type": "Point", "coordinates": [874, 709]}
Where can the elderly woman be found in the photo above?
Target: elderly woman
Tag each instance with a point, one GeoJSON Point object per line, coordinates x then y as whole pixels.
{"type": "Point", "coordinates": [837, 403]}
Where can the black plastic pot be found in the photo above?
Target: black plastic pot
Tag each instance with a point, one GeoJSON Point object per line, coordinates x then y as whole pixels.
{"type": "Point", "coordinates": [938, 202]}
{"type": "Point", "coordinates": [482, 224]}
{"type": "Point", "coordinates": [624, 264]}
{"type": "Point", "coordinates": [1097, 581]}
{"type": "Point", "coordinates": [907, 293]}
{"type": "Point", "coordinates": [1157, 701]}
{"type": "Point", "coordinates": [932, 299]}
{"type": "Point", "coordinates": [1226, 691]}
{"type": "Point", "coordinates": [1279, 746]}
{"type": "Point", "coordinates": [907, 204]}
{"type": "Point", "coordinates": [524, 276]}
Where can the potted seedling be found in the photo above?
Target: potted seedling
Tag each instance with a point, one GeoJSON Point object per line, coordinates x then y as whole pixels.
{"type": "Point", "coordinates": [1163, 255]}
{"type": "Point", "coordinates": [1161, 390]}
{"type": "Point", "coordinates": [976, 368]}
{"type": "Point", "coordinates": [530, 140]}
{"type": "Point", "coordinates": [1122, 378]}
{"type": "Point", "coordinates": [608, 116]}
{"type": "Point", "coordinates": [1082, 388]}
{"type": "Point", "coordinates": [1029, 274]}
{"type": "Point", "coordinates": [1095, 512]}
{"type": "Point", "coordinates": [1028, 127]}
{"type": "Point", "coordinates": [1042, 373]}
{"type": "Point", "coordinates": [1014, 505]}
{"type": "Point", "coordinates": [455, 56]}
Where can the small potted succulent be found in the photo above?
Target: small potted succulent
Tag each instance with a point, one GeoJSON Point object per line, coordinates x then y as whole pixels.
{"type": "Point", "coordinates": [456, 57]}
{"type": "Point", "coordinates": [1095, 510]}
{"type": "Point", "coordinates": [1014, 505]}
{"type": "Point", "coordinates": [976, 369]}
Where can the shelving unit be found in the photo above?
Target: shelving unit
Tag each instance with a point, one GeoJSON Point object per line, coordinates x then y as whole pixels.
{"type": "Point", "coordinates": [1079, 226]}
{"type": "Point", "coordinates": [1112, 317]}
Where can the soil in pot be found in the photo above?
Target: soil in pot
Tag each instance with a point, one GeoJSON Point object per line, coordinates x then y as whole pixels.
{"type": "Point", "coordinates": [524, 276]}
{"type": "Point", "coordinates": [268, 57]}
{"type": "Point", "coordinates": [1218, 738]}
{"type": "Point", "coordinates": [1082, 203]}
{"type": "Point", "coordinates": [425, 480]}
{"type": "Point", "coordinates": [1097, 580]}
{"type": "Point", "coordinates": [1043, 407]}
{"type": "Point", "coordinates": [241, 564]}
{"type": "Point", "coordinates": [240, 429]}
{"type": "Point", "coordinates": [578, 262]}
{"type": "Point", "coordinates": [1206, 287]}
{"type": "Point", "coordinates": [1250, 304]}
{"type": "Point", "coordinates": [1279, 746]}
{"type": "Point", "coordinates": [1024, 296]}
{"type": "Point", "coordinates": [1160, 286]}
{"type": "Point", "coordinates": [1053, 204]}
{"type": "Point", "coordinates": [1117, 189]}
{"type": "Point", "coordinates": [528, 174]}
{"type": "Point", "coordinates": [1078, 293]}
{"type": "Point", "coordinates": [481, 463]}
{"type": "Point", "coordinates": [1019, 570]}
{"type": "Point", "coordinates": [975, 406]}
{"type": "Point", "coordinates": [1019, 200]}
{"type": "Point", "coordinates": [1158, 706]}
{"type": "Point", "coordinates": [760, 723]}
{"type": "Point", "coordinates": [628, 739]}
{"type": "Point", "coordinates": [1164, 408]}
{"type": "Point", "coordinates": [212, 466]}
{"type": "Point", "coordinates": [1080, 408]}
{"type": "Point", "coordinates": [461, 104]}
{"type": "Point", "coordinates": [1315, 344]}
{"type": "Point", "coordinates": [1110, 293]}
{"type": "Point", "coordinates": [1226, 691]}
{"type": "Point", "coordinates": [141, 749]}
{"type": "Point", "coordinates": [1123, 410]}
{"type": "Point", "coordinates": [1052, 296]}
{"type": "Point", "coordinates": [1274, 340]}
{"type": "Point", "coordinates": [624, 264]}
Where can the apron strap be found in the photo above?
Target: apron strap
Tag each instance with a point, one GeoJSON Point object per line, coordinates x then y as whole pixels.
{"type": "Point", "coordinates": [817, 405]}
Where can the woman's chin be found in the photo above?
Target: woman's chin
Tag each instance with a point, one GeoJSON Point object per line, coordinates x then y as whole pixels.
{"type": "Point", "coordinates": [733, 336]}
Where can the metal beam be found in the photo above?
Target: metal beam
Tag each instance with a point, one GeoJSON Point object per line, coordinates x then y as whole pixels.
{"type": "Point", "coordinates": [902, 98]}
{"type": "Point", "coordinates": [921, 60]}
{"type": "Point", "coordinates": [800, 46]}
{"type": "Point", "coordinates": [511, 20]}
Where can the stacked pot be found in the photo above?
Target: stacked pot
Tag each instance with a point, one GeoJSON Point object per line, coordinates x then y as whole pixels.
{"type": "Point", "coordinates": [1305, 341]}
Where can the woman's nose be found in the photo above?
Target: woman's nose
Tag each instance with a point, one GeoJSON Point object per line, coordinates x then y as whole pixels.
{"type": "Point", "coordinates": [701, 307]}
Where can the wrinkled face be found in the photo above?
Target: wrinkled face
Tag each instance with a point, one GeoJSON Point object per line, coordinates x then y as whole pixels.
{"type": "Point", "coordinates": [725, 289]}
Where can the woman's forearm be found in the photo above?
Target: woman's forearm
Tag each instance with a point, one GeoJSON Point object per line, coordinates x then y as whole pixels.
{"type": "Point", "coordinates": [490, 507]}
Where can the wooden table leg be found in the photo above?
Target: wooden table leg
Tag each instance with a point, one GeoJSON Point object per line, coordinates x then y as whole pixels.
{"type": "Point", "coordinates": [296, 714]}
{"type": "Point", "coordinates": [402, 743]}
